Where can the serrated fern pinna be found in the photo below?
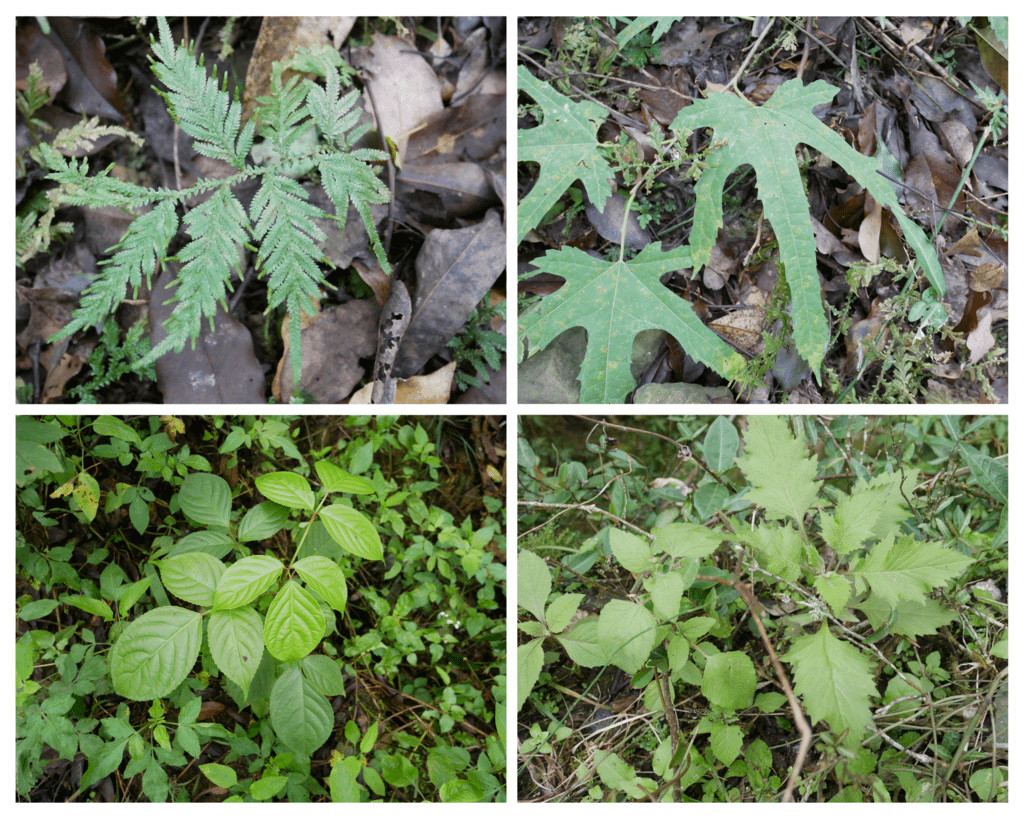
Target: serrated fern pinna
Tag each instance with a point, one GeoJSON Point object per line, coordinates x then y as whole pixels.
{"type": "Point", "coordinates": [280, 217]}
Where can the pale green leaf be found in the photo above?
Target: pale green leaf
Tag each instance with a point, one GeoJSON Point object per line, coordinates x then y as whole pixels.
{"type": "Point", "coordinates": [583, 644]}
{"type": "Point", "coordinates": [287, 489]}
{"type": "Point", "coordinates": [192, 576]}
{"type": "Point", "coordinates": [834, 590]}
{"type": "Point", "coordinates": [263, 521]}
{"type": "Point", "coordinates": [766, 138]}
{"type": "Point", "coordinates": [631, 551]}
{"type": "Point", "coordinates": [206, 499]}
{"type": "Point", "coordinates": [909, 569]}
{"type": "Point", "coordinates": [892, 505]}
{"type": "Point", "coordinates": [155, 653]}
{"type": "Point", "coordinates": [353, 531]}
{"type": "Point", "coordinates": [834, 681]}
{"type": "Point", "coordinates": [267, 787]}
{"type": "Point", "coordinates": [720, 445]}
{"type": "Point", "coordinates": [779, 549]}
{"type": "Point", "coordinates": [626, 634]}
{"type": "Point", "coordinates": [343, 783]}
{"type": "Point", "coordinates": [683, 540]}
{"type": "Point", "coordinates": [666, 594]}
{"type": "Point", "coordinates": [777, 467]}
{"type": "Point", "coordinates": [726, 741]}
{"type": "Point", "coordinates": [244, 581]}
{"type": "Point", "coordinates": [88, 604]}
{"type": "Point", "coordinates": [529, 660]}
{"type": "Point", "coordinates": [619, 775]}
{"type": "Point", "coordinates": [220, 775]}
{"type": "Point", "coordinates": [614, 301]}
{"type": "Point", "coordinates": [565, 147]}
{"type": "Point", "coordinates": [336, 479]}
{"type": "Point", "coordinates": [213, 542]}
{"type": "Point", "coordinates": [854, 521]}
{"type": "Point", "coordinates": [729, 680]}
{"type": "Point", "coordinates": [236, 642]}
{"type": "Point", "coordinates": [534, 583]}
{"type": "Point", "coordinates": [294, 623]}
{"type": "Point", "coordinates": [913, 619]}
{"type": "Point", "coordinates": [324, 577]}
{"type": "Point", "coordinates": [301, 716]}
{"type": "Point", "coordinates": [561, 610]}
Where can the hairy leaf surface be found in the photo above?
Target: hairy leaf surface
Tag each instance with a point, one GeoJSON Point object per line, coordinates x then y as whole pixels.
{"type": "Point", "coordinates": [155, 653]}
{"type": "Point", "coordinates": [909, 569]}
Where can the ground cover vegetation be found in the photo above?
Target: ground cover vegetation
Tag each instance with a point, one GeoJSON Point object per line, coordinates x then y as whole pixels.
{"type": "Point", "coordinates": [778, 210]}
{"type": "Point", "coordinates": [260, 609]}
{"type": "Point", "coordinates": [763, 609]}
{"type": "Point", "coordinates": [266, 162]}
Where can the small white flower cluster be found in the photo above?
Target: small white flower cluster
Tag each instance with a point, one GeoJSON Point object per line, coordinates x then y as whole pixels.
{"type": "Point", "coordinates": [446, 619]}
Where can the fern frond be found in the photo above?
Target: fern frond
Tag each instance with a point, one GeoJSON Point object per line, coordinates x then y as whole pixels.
{"type": "Point", "coordinates": [202, 109]}
{"type": "Point", "coordinates": [101, 190]}
{"type": "Point", "coordinates": [347, 177]}
{"type": "Point", "coordinates": [141, 249]}
{"type": "Point", "coordinates": [333, 114]}
{"type": "Point", "coordinates": [280, 113]}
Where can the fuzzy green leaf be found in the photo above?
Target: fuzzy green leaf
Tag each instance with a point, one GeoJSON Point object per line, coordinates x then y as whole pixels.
{"type": "Point", "coordinates": [631, 551]}
{"type": "Point", "coordinates": [154, 653]}
{"type": "Point", "coordinates": [565, 147]}
{"type": "Point", "coordinates": [909, 569]}
{"type": "Point", "coordinates": [294, 624]}
{"type": "Point", "coordinates": [729, 680]}
{"type": "Point", "coordinates": [236, 642]}
{"type": "Point", "coordinates": [614, 301]}
{"type": "Point", "coordinates": [766, 138]}
{"type": "Point", "coordinates": [778, 469]}
{"type": "Point", "coordinates": [834, 680]}
{"type": "Point", "coordinates": [834, 590]}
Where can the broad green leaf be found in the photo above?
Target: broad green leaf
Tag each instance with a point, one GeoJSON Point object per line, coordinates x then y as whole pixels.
{"type": "Point", "coordinates": [214, 542]}
{"type": "Point", "coordinates": [766, 138]}
{"type": "Point", "coordinates": [459, 791]}
{"type": "Point", "coordinates": [721, 443]}
{"type": "Point", "coordinates": [834, 680]}
{"type": "Point", "coordinates": [729, 680]}
{"type": "Point", "coordinates": [155, 653]}
{"type": "Point", "coordinates": [326, 579]}
{"type": "Point", "coordinates": [529, 660]}
{"type": "Point", "coordinates": [236, 642]}
{"type": "Point", "coordinates": [619, 775]}
{"type": "Point", "coordinates": [89, 604]}
{"type": "Point", "coordinates": [343, 783]}
{"type": "Point", "coordinates": [988, 473]}
{"type": "Point", "coordinates": [834, 590]}
{"type": "Point", "coordinates": [398, 771]}
{"type": "Point", "coordinates": [912, 619]}
{"type": "Point", "coordinates": [534, 583]}
{"type": "Point", "coordinates": [909, 569]}
{"type": "Point", "coordinates": [244, 581]}
{"type": "Point", "coordinates": [116, 428]}
{"type": "Point", "coordinates": [288, 489]}
{"type": "Point", "coordinates": [336, 479]}
{"type": "Point", "coordinates": [631, 551]}
{"type": "Point", "coordinates": [561, 610]}
{"type": "Point", "coordinates": [614, 301]}
{"type": "Point", "coordinates": [583, 645]}
{"type": "Point", "coordinates": [220, 775]}
{"type": "Point", "coordinates": [263, 521]}
{"type": "Point", "coordinates": [780, 549]}
{"type": "Point", "coordinates": [892, 506]}
{"type": "Point", "coordinates": [294, 623]}
{"type": "Point", "coordinates": [206, 499]}
{"type": "Point", "coordinates": [686, 540]}
{"type": "Point", "coordinates": [324, 674]}
{"type": "Point", "coordinates": [626, 632]}
{"type": "Point", "coordinates": [104, 762]}
{"type": "Point", "coordinates": [267, 787]}
{"type": "Point", "coordinates": [353, 531]}
{"type": "Point", "coordinates": [855, 519]}
{"type": "Point", "coordinates": [192, 576]}
{"type": "Point", "coordinates": [666, 593]}
{"type": "Point", "coordinates": [726, 741]}
{"type": "Point", "coordinates": [778, 469]}
{"type": "Point", "coordinates": [301, 716]}
{"type": "Point", "coordinates": [565, 147]}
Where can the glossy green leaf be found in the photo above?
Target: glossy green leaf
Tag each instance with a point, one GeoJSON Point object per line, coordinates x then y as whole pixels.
{"type": "Point", "coordinates": [155, 653]}
{"type": "Point", "coordinates": [353, 531]}
{"type": "Point", "coordinates": [324, 577]}
{"type": "Point", "coordinates": [288, 489]}
{"type": "Point", "coordinates": [206, 499]}
{"type": "Point", "coordinates": [263, 521]}
{"type": "Point", "coordinates": [192, 576]}
{"type": "Point", "coordinates": [246, 580]}
{"type": "Point", "coordinates": [336, 479]}
{"type": "Point", "coordinates": [236, 642]}
{"type": "Point", "coordinates": [294, 623]}
{"type": "Point", "coordinates": [301, 716]}
{"type": "Point", "coordinates": [88, 604]}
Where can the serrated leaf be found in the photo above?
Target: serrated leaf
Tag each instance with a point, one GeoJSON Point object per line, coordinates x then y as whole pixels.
{"type": "Point", "coordinates": [206, 499]}
{"type": "Point", "coordinates": [766, 138]}
{"type": "Point", "coordinates": [533, 583]}
{"type": "Point", "coordinates": [778, 468]}
{"type": "Point", "coordinates": [631, 551]}
{"type": "Point", "coordinates": [626, 634]}
{"type": "Point", "coordinates": [682, 540]}
{"type": "Point", "coordinates": [155, 653]}
{"type": "Point", "coordinates": [561, 610]}
{"type": "Point", "coordinates": [834, 590]}
{"type": "Point", "coordinates": [892, 505]}
{"type": "Point", "coordinates": [565, 147]}
{"type": "Point", "coordinates": [192, 576]}
{"type": "Point", "coordinates": [336, 479]}
{"type": "Point", "coordinates": [216, 543]}
{"type": "Point", "coordinates": [353, 531]}
{"type": "Point", "coordinates": [912, 619]}
{"type": "Point", "coordinates": [294, 624]}
{"type": "Point", "coordinates": [529, 660]}
{"type": "Point", "coordinates": [326, 579]}
{"type": "Point", "coordinates": [244, 581]}
{"type": "Point", "coordinates": [287, 489]}
{"type": "Point", "coordinates": [779, 548]}
{"type": "Point", "coordinates": [583, 645]}
{"type": "Point", "coordinates": [236, 642]}
{"type": "Point", "coordinates": [726, 741]}
{"type": "Point", "coordinates": [614, 301]}
{"type": "Point", "coordinates": [909, 569]}
{"type": "Point", "coordinates": [834, 680]}
{"type": "Point", "coordinates": [729, 680]}
{"type": "Point", "coordinates": [854, 521]}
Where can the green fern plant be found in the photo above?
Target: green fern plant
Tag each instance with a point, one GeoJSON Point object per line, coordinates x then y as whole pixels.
{"type": "Point", "coordinates": [280, 217]}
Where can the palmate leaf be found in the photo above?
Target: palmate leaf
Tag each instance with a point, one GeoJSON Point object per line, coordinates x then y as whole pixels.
{"type": "Point", "coordinates": [615, 301]}
{"type": "Point", "coordinates": [565, 147]}
{"type": "Point", "coordinates": [766, 137]}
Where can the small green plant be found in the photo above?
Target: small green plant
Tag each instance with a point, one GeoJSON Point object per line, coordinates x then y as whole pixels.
{"type": "Point", "coordinates": [479, 348]}
{"type": "Point", "coordinates": [306, 128]}
{"type": "Point", "coordinates": [156, 652]}
{"type": "Point", "coordinates": [113, 358]}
